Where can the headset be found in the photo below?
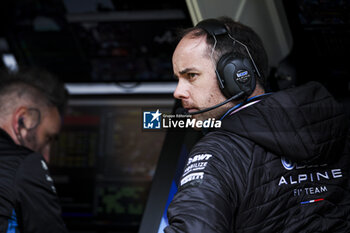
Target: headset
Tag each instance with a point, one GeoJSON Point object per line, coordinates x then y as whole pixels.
{"type": "Point", "coordinates": [236, 74]}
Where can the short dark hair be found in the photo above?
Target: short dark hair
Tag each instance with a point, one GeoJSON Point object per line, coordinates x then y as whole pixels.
{"type": "Point", "coordinates": [224, 44]}
{"type": "Point", "coordinates": [44, 84]}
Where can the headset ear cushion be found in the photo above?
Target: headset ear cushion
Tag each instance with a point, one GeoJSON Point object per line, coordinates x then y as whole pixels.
{"type": "Point", "coordinates": [225, 74]}
{"type": "Point", "coordinates": [236, 74]}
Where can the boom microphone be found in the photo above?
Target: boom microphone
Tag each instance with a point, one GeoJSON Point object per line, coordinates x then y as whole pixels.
{"type": "Point", "coordinates": [184, 111]}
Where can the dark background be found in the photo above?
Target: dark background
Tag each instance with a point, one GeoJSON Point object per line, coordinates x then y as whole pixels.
{"type": "Point", "coordinates": [94, 41]}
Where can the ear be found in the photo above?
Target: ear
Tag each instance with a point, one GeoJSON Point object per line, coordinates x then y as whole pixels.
{"type": "Point", "coordinates": [23, 118]}
{"type": "Point", "coordinates": [18, 119]}
{"type": "Point", "coordinates": [17, 122]}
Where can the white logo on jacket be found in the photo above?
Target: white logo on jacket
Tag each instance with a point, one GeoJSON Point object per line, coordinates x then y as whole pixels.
{"type": "Point", "coordinates": [195, 164]}
{"type": "Point", "coordinates": [287, 163]}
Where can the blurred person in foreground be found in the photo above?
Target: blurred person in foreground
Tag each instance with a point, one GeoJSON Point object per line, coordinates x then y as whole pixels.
{"type": "Point", "coordinates": [32, 102]}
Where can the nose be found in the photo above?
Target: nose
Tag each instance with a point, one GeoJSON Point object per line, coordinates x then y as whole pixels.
{"type": "Point", "coordinates": [46, 153]}
{"type": "Point", "coordinates": [181, 91]}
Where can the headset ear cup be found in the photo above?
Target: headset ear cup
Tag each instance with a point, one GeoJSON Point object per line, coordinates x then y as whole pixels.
{"type": "Point", "coordinates": [252, 83]}
{"type": "Point", "coordinates": [229, 87]}
{"type": "Point", "coordinates": [236, 75]}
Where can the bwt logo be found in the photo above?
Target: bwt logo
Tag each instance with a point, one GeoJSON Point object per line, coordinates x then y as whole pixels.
{"type": "Point", "coordinates": [151, 120]}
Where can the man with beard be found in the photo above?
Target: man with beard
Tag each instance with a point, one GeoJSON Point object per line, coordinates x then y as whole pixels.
{"type": "Point", "coordinates": [279, 162]}
{"type": "Point", "coordinates": [31, 109]}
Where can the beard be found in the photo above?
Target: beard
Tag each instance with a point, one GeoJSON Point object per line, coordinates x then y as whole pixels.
{"type": "Point", "coordinates": [215, 113]}
{"type": "Point", "coordinates": [30, 140]}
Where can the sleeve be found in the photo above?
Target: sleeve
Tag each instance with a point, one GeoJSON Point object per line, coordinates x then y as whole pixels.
{"type": "Point", "coordinates": [5, 211]}
{"type": "Point", "coordinates": [38, 208]}
{"type": "Point", "coordinates": [9, 224]}
{"type": "Point", "coordinates": [7, 194]}
{"type": "Point", "coordinates": [208, 194]}
{"type": "Point", "coordinates": [3, 224]}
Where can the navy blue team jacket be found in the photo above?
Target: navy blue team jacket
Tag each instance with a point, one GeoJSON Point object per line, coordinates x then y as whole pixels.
{"type": "Point", "coordinates": [28, 200]}
{"type": "Point", "coordinates": [280, 165]}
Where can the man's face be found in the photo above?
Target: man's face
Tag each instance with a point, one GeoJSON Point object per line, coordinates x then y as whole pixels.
{"type": "Point", "coordinates": [40, 138]}
{"type": "Point", "coordinates": [197, 83]}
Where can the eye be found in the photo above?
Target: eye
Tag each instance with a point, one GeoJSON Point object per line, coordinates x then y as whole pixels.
{"type": "Point", "coordinates": [192, 75]}
{"type": "Point", "coordinates": [50, 139]}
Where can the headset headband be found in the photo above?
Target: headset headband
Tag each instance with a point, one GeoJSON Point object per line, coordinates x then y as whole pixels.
{"type": "Point", "coordinates": [215, 28]}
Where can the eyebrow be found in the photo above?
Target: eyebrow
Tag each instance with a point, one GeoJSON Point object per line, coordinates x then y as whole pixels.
{"type": "Point", "coordinates": [184, 71]}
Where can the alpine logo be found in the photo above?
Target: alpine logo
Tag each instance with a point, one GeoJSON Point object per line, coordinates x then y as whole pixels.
{"type": "Point", "coordinates": [287, 163]}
